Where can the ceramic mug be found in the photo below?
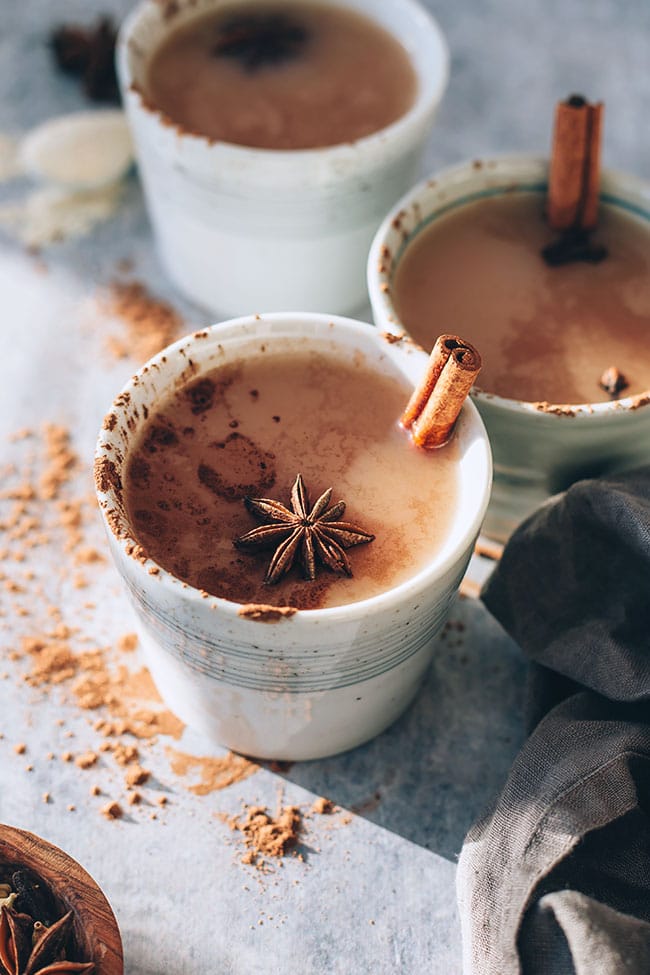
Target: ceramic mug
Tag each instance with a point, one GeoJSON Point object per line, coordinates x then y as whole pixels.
{"type": "Point", "coordinates": [537, 450]}
{"type": "Point", "coordinates": [241, 229]}
{"type": "Point", "coordinates": [307, 683]}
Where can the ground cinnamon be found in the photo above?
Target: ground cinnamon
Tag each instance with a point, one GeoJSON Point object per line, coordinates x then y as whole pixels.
{"type": "Point", "coordinates": [574, 175]}
{"type": "Point", "coordinates": [436, 402]}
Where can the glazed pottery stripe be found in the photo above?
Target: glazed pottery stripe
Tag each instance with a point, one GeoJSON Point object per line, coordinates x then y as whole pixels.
{"type": "Point", "coordinates": [298, 672]}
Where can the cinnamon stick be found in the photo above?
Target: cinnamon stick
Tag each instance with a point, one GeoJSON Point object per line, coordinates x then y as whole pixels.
{"type": "Point", "coordinates": [574, 175]}
{"type": "Point", "coordinates": [436, 402]}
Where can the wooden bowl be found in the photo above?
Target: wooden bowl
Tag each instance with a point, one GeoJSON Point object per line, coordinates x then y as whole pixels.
{"type": "Point", "coordinates": [95, 929]}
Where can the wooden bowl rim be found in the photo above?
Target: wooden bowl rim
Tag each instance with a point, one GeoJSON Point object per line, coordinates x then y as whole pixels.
{"type": "Point", "coordinates": [73, 885]}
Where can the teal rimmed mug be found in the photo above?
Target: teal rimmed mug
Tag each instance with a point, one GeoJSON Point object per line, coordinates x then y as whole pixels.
{"type": "Point", "coordinates": [538, 449]}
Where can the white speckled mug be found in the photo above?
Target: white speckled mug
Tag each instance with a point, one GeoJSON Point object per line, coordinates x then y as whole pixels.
{"type": "Point", "coordinates": [241, 229]}
{"type": "Point", "coordinates": [538, 449]}
{"type": "Point", "coordinates": [298, 684]}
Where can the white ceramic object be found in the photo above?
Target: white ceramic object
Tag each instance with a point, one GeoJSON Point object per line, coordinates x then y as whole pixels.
{"type": "Point", "coordinates": [82, 151]}
{"type": "Point", "coordinates": [537, 452]}
{"type": "Point", "coordinates": [242, 230]}
{"type": "Point", "coordinates": [319, 681]}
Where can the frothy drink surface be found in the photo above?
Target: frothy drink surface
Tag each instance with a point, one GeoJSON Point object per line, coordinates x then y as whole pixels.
{"type": "Point", "coordinates": [247, 429]}
{"type": "Point", "coordinates": [545, 333]}
{"type": "Point", "coordinates": [306, 76]}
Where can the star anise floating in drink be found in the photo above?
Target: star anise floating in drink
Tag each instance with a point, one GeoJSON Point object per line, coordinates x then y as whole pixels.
{"type": "Point", "coordinates": [257, 39]}
{"type": "Point", "coordinates": [311, 533]}
{"type": "Point", "coordinates": [31, 942]}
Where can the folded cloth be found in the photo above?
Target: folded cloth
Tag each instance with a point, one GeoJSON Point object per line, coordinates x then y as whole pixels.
{"type": "Point", "coordinates": [555, 879]}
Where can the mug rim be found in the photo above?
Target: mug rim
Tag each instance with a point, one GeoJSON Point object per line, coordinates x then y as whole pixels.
{"type": "Point", "coordinates": [420, 582]}
{"type": "Point", "coordinates": [384, 311]}
{"type": "Point", "coordinates": [428, 96]}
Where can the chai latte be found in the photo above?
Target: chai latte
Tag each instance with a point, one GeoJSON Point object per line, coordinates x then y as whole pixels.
{"type": "Point", "coordinates": [545, 333]}
{"type": "Point", "coordinates": [247, 429]}
{"type": "Point", "coordinates": [281, 76]}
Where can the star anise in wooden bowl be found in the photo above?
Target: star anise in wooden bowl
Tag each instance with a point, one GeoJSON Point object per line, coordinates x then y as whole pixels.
{"type": "Point", "coordinates": [54, 919]}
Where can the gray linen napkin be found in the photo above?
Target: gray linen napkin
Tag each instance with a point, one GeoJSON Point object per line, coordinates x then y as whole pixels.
{"type": "Point", "coordinates": [555, 879]}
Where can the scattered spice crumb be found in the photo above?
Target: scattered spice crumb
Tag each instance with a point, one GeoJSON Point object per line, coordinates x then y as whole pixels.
{"type": "Point", "coordinates": [71, 807]}
{"type": "Point", "coordinates": [20, 748]}
{"type": "Point", "coordinates": [127, 643]}
{"type": "Point", "coordinates": [88, 555]}
{"type": "Point", "coordinates": [136, 775]}
{"type": "Point", "coordinates": [87, 760]}
{"type": "Point", "coordinates": [46, 797]}
{"type": "Point", "coordinates": [266, 835]}
{"type": "Point", "coordinates": [124, 754]}
{"type": "Point", "coordinates": [66, 756]}
{"type": "Point", "coordinates": [134, 798]}
{"type": "Point", "coordinates": [112, 810]}
{"type": "Point", "coordinates": [323, 806]}
{"type": "Point", "coordinates": [95, 790]}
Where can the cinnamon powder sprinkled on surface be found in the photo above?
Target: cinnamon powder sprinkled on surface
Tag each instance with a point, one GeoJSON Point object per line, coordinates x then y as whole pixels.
{"type": "Point", "coordinates": [38, 510]}
{"type": "Point", "coordinates": [61, 461]}
{"type": "Point", "coordinates": [213, 773]}
{"type": "Point", "coordinates": [53, 661]}
{"type": "Point", "coordinates": [150, 323]}
{"type": "Point", "coordinates": [266, 835]}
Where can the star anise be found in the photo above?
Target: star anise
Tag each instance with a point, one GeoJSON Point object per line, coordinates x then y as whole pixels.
{"type": "Point", "coordinates": [574, 245]}
{"type": "Point", "coordinates": [89, 54]}
{"type": "Point", "coordinates": [29, 948]}
{"type": "Point", "coordinates": [258, 39]}
{"type": "Point", "coordinates": [312, 533]}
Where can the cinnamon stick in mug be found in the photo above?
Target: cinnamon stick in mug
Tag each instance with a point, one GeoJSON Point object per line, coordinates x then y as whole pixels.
{"type": "Point", "coordinates": [574, 174]}
{"type": "Point", "coordinates": [436, 402]}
